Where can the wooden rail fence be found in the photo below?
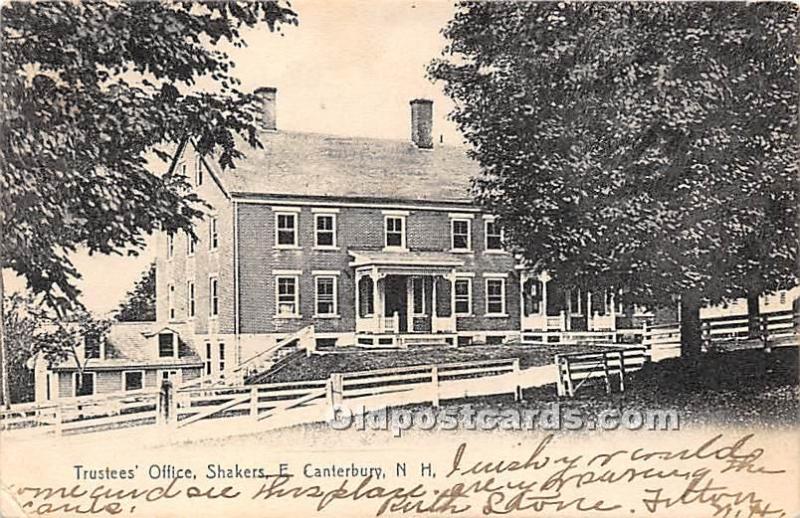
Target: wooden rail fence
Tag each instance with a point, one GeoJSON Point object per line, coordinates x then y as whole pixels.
{"type": "Point", "coordinates": [664, 340]}
{"type": "Point", "coordinates": [179, 407]}
{"type": "Point", "coordinates": [574, 369]}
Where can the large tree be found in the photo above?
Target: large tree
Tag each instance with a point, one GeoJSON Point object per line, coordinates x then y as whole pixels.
{"type": "Point", "coordinates": [87, 90]}
{"type": "Point", "coordinates": [648, 147]}
{"type": "Point", "coordinates": [140, 303]}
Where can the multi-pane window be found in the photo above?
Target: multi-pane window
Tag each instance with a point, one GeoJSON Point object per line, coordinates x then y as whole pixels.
{"type": "Point", "coordinates": [213, 297]}
{"type": "Point", "coordinates": [221, 357]}
{"type": "Point", "coordinates": [287, 296]}
{"type": "Point", "coordinates": [171, 301]}
{"type": "Point", "coordinates": [190, 299]}
{"type": "Point", "coordinates": [395, 233]}
{"type": "Point", "coordinates": [170, 246]}
{"type": "Point", "coordinates": [213, 233]}
{"type": "Point", "coordinates": [326, 295]}
{"type": "Point", "coordinates": [198, 170]}
{"type": "Point", "coordinates": [133, 380]}
{"type": "Point", "coordinates": [418, 293]}
{"type": "Point", "coordinates": [325, 230]}
{"type": "Point", "coordinates": [365, 296]}
{"type": "Point", "coordinates": [463, 296]}
{"type": "Point", "coordinates": [495, 296]}
{"type": "Point", "coordinates": [166, 345]}
{"type": "Point", "coordinates": [494, 236]}
{"type": "Point", "coordinates": [208, 359]}
{"type": "Point", "coordinates": [460, 234]}
{"type": "Point", "coordinates": [84, 383]}
{"type": "Point", "coordinates": [91, 345]}
{"type": "Point", "coordinates": [286, 229]}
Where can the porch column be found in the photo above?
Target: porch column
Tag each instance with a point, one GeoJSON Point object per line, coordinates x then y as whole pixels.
{"type": "Point", "coordinates": [544, 277]}
{"type": "Point", "coordinates": [358, 296]}
{"type": "Point", "coordinates": [409, 305]}
{"type": "Point", "coordinates": [589, 319]}
{"type": "Point", "coordinates": [434, 314]}
{"type": "Point", "coordinates": [359, 275]}
{"type": "Point", "coordinates": [377, 299]}
{"type": "Point", "coordinates": [451, 279]}
{"type": "Point", "coordinates": [523, 278]}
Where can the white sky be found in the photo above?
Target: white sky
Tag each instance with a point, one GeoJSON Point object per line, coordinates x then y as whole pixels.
{"type": "Point", "coordinates": [349, 68]}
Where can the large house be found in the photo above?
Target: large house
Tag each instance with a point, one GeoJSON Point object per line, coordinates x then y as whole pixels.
{"type": "Point", "coordinates": [377, 243]}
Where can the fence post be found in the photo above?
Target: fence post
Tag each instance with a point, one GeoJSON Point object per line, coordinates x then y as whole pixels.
{"type": "Point", "coordinates": [606, 374]}
{"type": "Point", "coordinates": [705, 335]}
{"type": "Point", "coordinates": [335, 386]}
{"type": "Point", "coordinates": [648, 354]}
{"type": "Point", "coordinates": [560, 379]}
{"type": "Point", "coordinates": [254, 402]}
{"type": "Point", "coordinates": [621, 371]}
{"type": "Point", "coordinates": [435, 385]}
{"type": "Point", "coordinates": [166, 403]}
{"type": "Point", "coordinates": [568, 372]}
{"type": "Point", "coordinates": [517, 380]}
{"type": "Point", "coordinates": [59, 415]}
{"type": "Point", "coordinates": [765, 333]}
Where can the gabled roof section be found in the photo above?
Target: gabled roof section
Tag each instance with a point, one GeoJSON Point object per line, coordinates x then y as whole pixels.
{"type": "Point", "coordinates": [310, 164]}
{"type": "Point", "coordinates": [131, 345]}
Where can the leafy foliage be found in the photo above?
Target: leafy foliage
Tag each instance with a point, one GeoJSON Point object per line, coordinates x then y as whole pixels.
{"type": "Point", "coordinates": [650, 147]}
{"type": "Point", "coordinates": [31, 330]}
{"type": "Point", "coordinates": [140, 303]}
{"type": "Point", "coordinates": [88, 90]}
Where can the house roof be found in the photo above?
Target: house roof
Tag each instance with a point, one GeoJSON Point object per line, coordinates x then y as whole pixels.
{"type": "Point", "coordinates": [130, 345]}
{"type": "Point", "coordinates": [310, 164]}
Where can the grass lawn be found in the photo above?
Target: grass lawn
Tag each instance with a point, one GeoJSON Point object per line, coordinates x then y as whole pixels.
{"type": "Point", "coordinates": [745, 387]}
{"type": "Point", "coordinates": [353, 359]}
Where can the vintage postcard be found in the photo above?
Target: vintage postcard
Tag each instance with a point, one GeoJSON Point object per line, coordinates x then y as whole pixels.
{"type": "Point", "coordinates": [399, 258]}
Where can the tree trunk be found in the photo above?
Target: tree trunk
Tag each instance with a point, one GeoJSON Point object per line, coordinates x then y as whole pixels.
{"type": "Point", "coordinates": [753, 316]}
{"type": "Point", "coordinates": [691, 331]}
{"type": "Point", "coordinates": [5, 395]}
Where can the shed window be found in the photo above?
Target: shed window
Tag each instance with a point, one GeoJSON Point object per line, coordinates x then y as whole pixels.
{"type": "Point", "coordinates": [166, 345]}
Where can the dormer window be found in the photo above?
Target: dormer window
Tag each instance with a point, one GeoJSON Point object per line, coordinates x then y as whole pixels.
{"type": "Point", "coordinates": [92, 346]}
{"type": "Point", "coordinates": [167, 346]}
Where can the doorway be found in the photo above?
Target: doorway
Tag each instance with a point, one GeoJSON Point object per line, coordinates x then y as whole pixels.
{"type": "Point", "coordinates": [396, 299]}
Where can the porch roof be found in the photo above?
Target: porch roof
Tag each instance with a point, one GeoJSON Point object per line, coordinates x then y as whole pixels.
{"type": "Point", "coordinates": [416, 262]}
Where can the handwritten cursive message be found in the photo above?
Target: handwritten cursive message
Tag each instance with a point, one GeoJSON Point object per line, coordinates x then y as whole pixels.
{"type": "Point", "coordinates": [719, 476]}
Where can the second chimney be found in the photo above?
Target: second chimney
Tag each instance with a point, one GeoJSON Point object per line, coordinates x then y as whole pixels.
{"type": "Point", "coordinates": [268, 95]}
{"type": "Point", "coordinates": [422, 123]}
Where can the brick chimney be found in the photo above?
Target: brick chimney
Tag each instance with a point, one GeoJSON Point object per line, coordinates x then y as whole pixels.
{"type": "Point", "coordinates": [422, 123]}
{"type": "Point", "coordinates": [268, 95]}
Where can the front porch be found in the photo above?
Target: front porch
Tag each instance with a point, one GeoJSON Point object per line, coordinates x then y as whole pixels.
{"type": "Point", "coordinates": [404, 298]}
{"type": "Point", "coordinates": [549, 310]}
